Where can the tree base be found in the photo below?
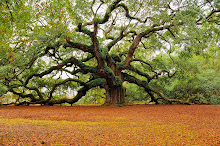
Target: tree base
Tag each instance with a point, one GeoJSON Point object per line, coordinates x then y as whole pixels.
{"type": "Point", "coordinates": [115, 104]}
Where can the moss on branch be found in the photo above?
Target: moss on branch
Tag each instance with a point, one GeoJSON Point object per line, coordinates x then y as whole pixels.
{"type": "Point", "coordinates": [84, 30]}
{"type": "Point", "coordinates": [140, 73]}
{"type": "Point", "coordinates": [84, 67]}
{"type": "Point", "coordinates": [90, 56]}
{"type": "Point", "coordinates": [121, 64]}
{"type": "Point", "coordinates": [118, 81]}
{"type": "Point", "coordinates": [132, 79]}
{"type": "Point", "coordinates": [107, 13]}
{"type": "Point", "coordinates": [79, 46]}
{"type": "Point", "coordinates": [71, 60]}
{"type": "Point", "coordinates": [103, 52]}
{"type": "Point", "coordinates": [144, 84]}
{"type": "Point", "coordinates": [108, 71]}
{"type": "Point", "coordinates": [96, 82]}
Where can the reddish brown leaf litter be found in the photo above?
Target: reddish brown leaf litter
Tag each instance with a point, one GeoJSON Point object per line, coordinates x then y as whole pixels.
{"type": "Point", "coordinates": [93, 125]}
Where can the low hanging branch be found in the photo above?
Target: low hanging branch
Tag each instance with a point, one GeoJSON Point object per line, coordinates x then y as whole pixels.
{"type": "Point", "coordinates": [36, 90]}
{"type": "Point", "coordinates": [171, 100]}
{"type": "Point", "coordinates": [31, 96]}
{"type": "Point", "coordinates": [64, 82]}
{"type": "Point", "coordinates": [81, 92]}
{"type": "Point", "coordinates": [23, 95]}
{"type": "Point", "coordinates": [132, 79]}
{"type": "Point", "coordinates": [144, 84]}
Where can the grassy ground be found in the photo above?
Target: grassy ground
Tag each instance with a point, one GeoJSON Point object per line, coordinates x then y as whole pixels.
{"type": "Point", "coordinates": [92, 125]}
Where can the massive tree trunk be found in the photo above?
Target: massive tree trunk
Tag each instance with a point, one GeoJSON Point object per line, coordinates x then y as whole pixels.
{"type": "Point", "coordinates": [115, 92]}
{"type": "Point", "coordinates": [115, 95]}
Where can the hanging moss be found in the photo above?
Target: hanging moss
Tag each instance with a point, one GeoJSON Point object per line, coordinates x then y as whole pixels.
{"type": "Point", "coordinates": [66, 61]}
{"type": "Point", "coordinates": [86, 67]}
{"type": "Point", "coordinates": [108, 13]}
{"type": "Point", "coordinates": [95, 76]}
{"type": "Point", "coordinates": [103, 52]}
{"type": "Point", "coordinates": [96, 82]}
{"type": "Point", "coordinates": [120, 64]}
{"type": "Point", "coordinates": [118, 81]}
{"type": "Point", "coordinates": [108, 71]}
{"type": "Point", "coordinates": [116, 58]}
{"type": "Point", "coordinates": [112, 43]}
{"type": "Point", "coordinates": [86, 31]}
{"type": "Point", "coordinates": [90, 56]}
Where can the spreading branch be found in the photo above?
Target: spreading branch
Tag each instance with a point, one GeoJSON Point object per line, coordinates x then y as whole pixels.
{"type": "Point", "coordinates": [108, 12]}
{"type": "Point", "coordinates": [171, 100]}
{"type": "Point", "coordinates": [144, 84]}
{"type": "Point", "coordinates": [208, 17]}
{"type": "Point", "coordinates": [132, 79]}
{"type": "Point", "coordinates": [70, 61]}
{"type": "Point", "coordinates": [82, 91]}
{"type": "Point", "coordinates": [138, 38]}
{"type": "Point", "coordinates": [23, 95]}
{"type": "Point", "coordinates": [80, 94]}
{"type": "Point", "coordinates": [140, 73]}
{"type": "Point", "coordinates": [155, 73]}
{"type": "Point", "coordinates": [64, 82]}
{"type": "Point", "coordinates": [79, 46]}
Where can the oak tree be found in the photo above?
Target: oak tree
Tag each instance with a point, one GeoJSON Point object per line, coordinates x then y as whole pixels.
{"type": "Point", "coordinates": [51, 46]}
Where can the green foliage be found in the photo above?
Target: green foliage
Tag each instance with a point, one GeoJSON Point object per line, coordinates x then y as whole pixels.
{"type": "Point", "coordinates": [95, 95]}
{"type": "Point", "coordinates": [196, 80]}
{"type": "Point", "coordinates": [120, 64]}
{"type": "Point", "coordinates": [135, 93]}
{"type": "Point", "coordinates": [96, 82]}
{"type": "Point", "coordinates": [118, 81]}
{"type": "Point", "coordinates": [3, 90]}
{"type": "Point", "coordinates": [103, 52]}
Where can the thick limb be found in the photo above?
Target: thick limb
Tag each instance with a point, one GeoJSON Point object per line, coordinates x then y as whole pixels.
{"type": "Point", "coordinates": [144, 84]}
{"type": "Point", "coordinates": [171, 100]}
{"type": "Point", "coordinates": [151, 92]}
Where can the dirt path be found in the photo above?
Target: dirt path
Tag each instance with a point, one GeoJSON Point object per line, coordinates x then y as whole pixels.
{"type": "Point", "coordinates": [90, 125]}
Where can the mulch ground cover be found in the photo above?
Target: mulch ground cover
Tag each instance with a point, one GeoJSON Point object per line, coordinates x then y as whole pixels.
{"type": "Point", "coordinates": [99, 125]}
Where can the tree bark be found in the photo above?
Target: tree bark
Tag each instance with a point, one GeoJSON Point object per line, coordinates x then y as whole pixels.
{"type": "Point", "coordinates": [115, 95]}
